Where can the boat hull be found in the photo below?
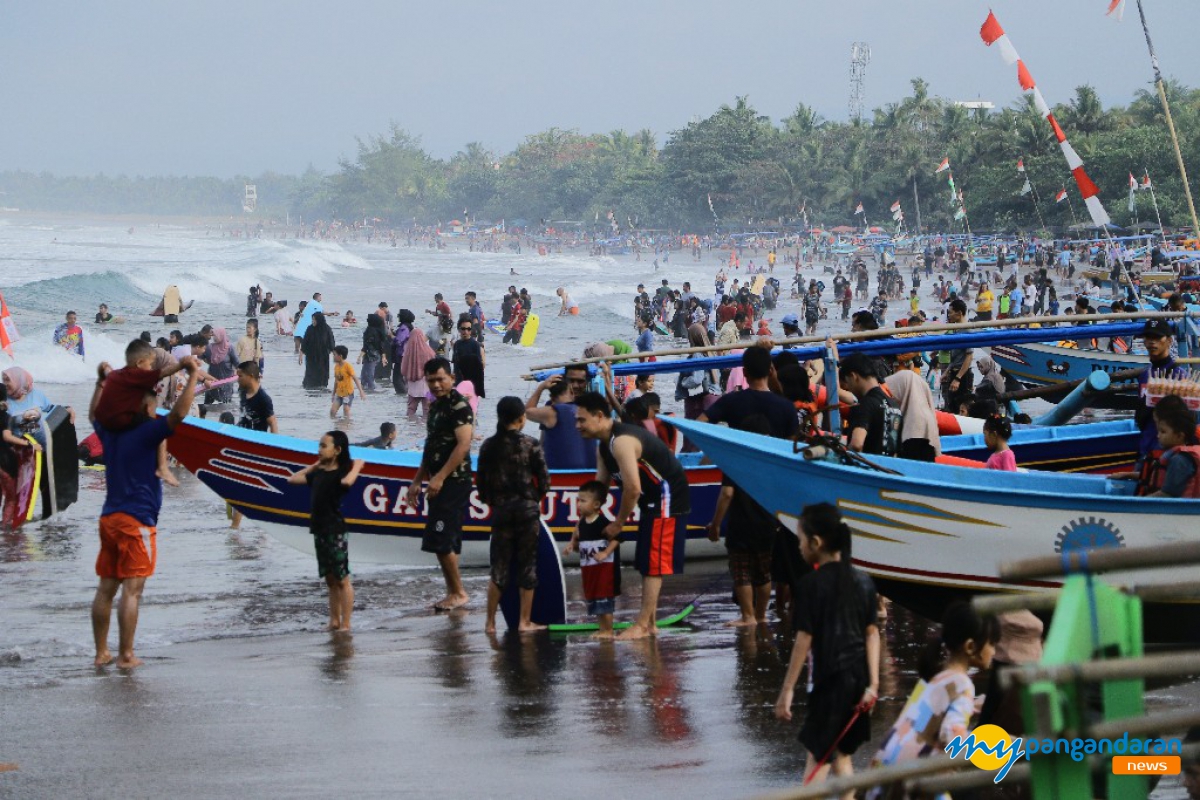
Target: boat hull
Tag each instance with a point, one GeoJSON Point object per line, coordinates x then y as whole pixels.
{"type": "Point", "coordinates": [249, 470]}
{"type": "Point", "coordinates": [1047, 364]}
{"type": "Point", "coordinates": [936, 532]}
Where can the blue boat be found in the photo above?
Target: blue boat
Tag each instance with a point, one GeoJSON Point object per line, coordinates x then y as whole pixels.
{"type": "Point", "coordinates": [929, 533]}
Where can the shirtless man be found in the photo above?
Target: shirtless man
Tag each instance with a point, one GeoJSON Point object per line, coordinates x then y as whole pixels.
{"type": "Point", "coordinates": [128, 549]}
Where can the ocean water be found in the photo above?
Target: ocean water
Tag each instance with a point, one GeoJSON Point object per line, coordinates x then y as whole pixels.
{"type": "Point", "coordinates": [231, 621]}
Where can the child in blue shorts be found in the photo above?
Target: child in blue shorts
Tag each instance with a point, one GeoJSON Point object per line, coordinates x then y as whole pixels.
{"type": "Point", "coordinates": [599, 557]}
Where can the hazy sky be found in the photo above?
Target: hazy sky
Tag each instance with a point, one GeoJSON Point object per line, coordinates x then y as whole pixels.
{"type": "Point", "coordinates": [224, 88]}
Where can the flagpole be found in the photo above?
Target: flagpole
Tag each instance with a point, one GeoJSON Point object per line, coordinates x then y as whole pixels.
{"type": "Point", "coordinates": [1071, 205]}
{"type": "Point", "coordinates": [1036, 200]}
{"type": "Point", "coordinates": [1161, 233]}
{"type": "Point", "coordinates": [1162, 95]}
{"type": "Point", "coordinates": [917, 205]}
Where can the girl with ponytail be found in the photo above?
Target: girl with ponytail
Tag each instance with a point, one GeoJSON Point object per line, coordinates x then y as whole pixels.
{"type": "Point", "coordinates": [834, 619]}
{"type": "Point", "coordinates": [945, 693]}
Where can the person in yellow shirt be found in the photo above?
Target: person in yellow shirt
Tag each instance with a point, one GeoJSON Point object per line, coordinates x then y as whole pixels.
{"type": "Point", "coordinates": [983, 303]}
{"type": "Point", "coordinates": [914, 302]}
{"type": "Point", "coordinates": [345, 381]}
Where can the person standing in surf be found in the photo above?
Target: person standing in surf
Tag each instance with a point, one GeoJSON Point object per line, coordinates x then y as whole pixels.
{"type": "Point", "coordinates": [446, 464]}
{"type": "Point", "coordinates": [653, 481]}
{"type": "Point", "coordinates": [318, 346]}
{"type": "Point", "coordinates": [69, 336]}
{"type": "Point", "coordinates": [133, 498]}
{"type": "Point", "coordinates": [512, 478]}
{"type": "Point", "coordinates": [330, 477]}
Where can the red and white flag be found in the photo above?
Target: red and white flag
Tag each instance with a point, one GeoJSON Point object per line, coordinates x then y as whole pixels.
{"type": "Point", "coordinates": [1146, 181]}
{"type": "Point", "coordinates": [8, 329]}
{"type": "Point", "coordinates": [1117, 8]}
{"type": "Point", "coordinates": [1132, 182]}
{"type": "Point", "coordinates": [1020, 165]}
{"type": "Point", "coordinates": [1062, 195]}
{"type": "Point", "coordinates": [945, 165]}
{"type": "Point", "coordinates": [858, 209]}
{"type": "Point", "coordinates": [895, 207]}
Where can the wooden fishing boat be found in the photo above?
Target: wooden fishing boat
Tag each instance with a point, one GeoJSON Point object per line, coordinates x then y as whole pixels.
{"type": "Point", "coordinates": [929, 533]}
{"type": "Point", "coordinates": [1045, 364]}
{"type": "Point", "coordinates": [249, 471]}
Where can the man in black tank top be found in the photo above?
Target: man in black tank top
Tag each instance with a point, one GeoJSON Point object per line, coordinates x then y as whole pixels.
{"type": "Point", "coordinates": [653, 481]}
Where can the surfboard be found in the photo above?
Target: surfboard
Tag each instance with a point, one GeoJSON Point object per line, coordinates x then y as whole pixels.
{"type": "Point", "coordinates": [583, 627]}
{"type": "Point", "coordinates": [550, 596]}
{"type": "Point", "coordinates": [529, 335]}
{"type": "Point", "coordinates": [158, 311]}
{"type": "Point", "coordinates": [496, 327]}
{"type": "Point", "coordinates": [660, 329]}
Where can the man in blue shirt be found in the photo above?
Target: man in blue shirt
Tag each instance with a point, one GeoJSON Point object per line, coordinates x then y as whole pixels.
{"type": "Point", "coordinates": [128, 547]}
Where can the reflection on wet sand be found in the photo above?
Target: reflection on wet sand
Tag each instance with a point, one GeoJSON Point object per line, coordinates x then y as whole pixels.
{"type": "Point", "coordinates": [528, 669]}
{"type": "Point", "coordinates": [336, 666]}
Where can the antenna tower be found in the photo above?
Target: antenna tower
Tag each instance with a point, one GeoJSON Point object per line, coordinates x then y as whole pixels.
{"type": "Point", "coordinates": [860, 56]}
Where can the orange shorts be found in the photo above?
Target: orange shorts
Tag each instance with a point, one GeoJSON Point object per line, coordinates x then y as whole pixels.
{"type": "Point", "coordinates": [128, 549]}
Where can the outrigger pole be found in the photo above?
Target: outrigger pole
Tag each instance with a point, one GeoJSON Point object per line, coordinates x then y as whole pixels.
{"type": "Point", "coordinates": [1162, 95]}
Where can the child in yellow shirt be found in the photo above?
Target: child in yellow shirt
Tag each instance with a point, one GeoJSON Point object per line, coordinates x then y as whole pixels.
{"type": "Point", "coordinates": [344, 383]}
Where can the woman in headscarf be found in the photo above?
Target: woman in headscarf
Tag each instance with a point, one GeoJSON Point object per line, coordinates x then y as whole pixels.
{"type": "Point", "coordinates": [919, 438]}
{"type": "Point", "coordinates": [469, 357]}
{"type": "Point", "coordinates": [412, 366]}
{"type": "Point", "coordinates": [318, 345]}
{"type": "Point", "coordinates": [993, 382]}
{"type": "Point", "coordinates": [222, 364]}
{"type": "Point", "coordinates": [26, 405]}
{"type": "Point", "coordinates": [374, 350]}
{"type": "Point", "coordinates": [399, 341]}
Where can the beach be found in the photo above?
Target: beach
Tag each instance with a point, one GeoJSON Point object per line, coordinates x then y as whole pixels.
{"type": "Point", "coordinates": [243, 693]}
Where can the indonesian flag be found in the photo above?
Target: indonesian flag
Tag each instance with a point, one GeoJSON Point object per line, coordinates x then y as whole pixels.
{"type": "Point", "coordinates": [945, 165]}
{"type": "Point", "coordinates": [1146, 181]}
{"type": "Point", "coordinates": [895, 207]}
{"type": "Point", "coordinates": [1132, 182]}
{"type": "Point", "coordinates": [858, 209]}
{"type": "Point", "coordinates": [1020, 165]}
{"type": "Point", "coordinates": [1062, 195]}
{"type": "Point", "coordinates": [1133, 185]}
{"type": "Point", "coordinates": [8, 329]}
{"type": "Point", "coordinates": [1116, 7]}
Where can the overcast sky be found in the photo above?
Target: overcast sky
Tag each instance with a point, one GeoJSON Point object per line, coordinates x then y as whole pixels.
{"type": "Point", "coordinates": [224, 88]}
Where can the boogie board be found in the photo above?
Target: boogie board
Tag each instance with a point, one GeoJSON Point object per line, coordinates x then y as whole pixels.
{"type": "Point", "coordinates": [550, 596]}
{"type": "Point", "coordinates": [529, 335]}
{"type": "Point", "coordinates": [60, 475]}
{"type": "Point", "coordinates": [496, 327]}
{"type": "Point", "coordinates": [584, 627]}
{"type": "Point", "coordinates": [756, 286]}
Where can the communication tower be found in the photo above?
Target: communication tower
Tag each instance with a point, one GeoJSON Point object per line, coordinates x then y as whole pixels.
{"type": "Point", "coordinates": [860, 56]}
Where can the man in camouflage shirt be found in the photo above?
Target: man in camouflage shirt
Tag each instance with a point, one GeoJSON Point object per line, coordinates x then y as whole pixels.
{"type": "Point", "coordinates": [446, 464]}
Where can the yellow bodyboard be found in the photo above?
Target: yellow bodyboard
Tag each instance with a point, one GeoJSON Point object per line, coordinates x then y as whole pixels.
{"type": "Point", "coordinates": [529, 335]}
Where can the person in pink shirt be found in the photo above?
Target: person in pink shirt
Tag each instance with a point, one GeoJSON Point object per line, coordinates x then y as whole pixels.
{"type": "Point", "coordinates": [996, 432]}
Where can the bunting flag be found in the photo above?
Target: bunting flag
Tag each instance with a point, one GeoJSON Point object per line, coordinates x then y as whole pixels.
{"type": "Point", "coordinates": [1062, 195]}
{"type": "Point", "coordinates": [1117, 8]}
{"type": "Point", "coordinates": [993, 34]}
{"type": "Point", "coordinates": [945, 165]}
{"type": "Point", "coordinates": [8, 329]}
{"type": "Point", "coordinates": [1020, 165]}
{"type": "Point", "coordinates": [858, 209]}
{"type": "Point", "coordinates": [895, 207]}
{"type": "Point", "coordinates": [1026, 189]}
{"type": "Point", "coordinates": [1146, 182]}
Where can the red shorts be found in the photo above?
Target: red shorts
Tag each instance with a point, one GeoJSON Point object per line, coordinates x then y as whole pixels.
{"type": "Point", "coordinates": [128, 549]}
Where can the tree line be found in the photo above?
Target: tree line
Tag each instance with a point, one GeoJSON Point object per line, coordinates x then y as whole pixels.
{"type": "Point", "coordinates": [735, 168]}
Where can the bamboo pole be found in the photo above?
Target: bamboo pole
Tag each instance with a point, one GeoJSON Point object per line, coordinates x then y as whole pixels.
{"type": "Point", "coordinates": [1099, 560]}
{"type": "Point", "coordinates": [1047, 600]}
{"type": "Point", "coordinates": [1162, 96]}
{"type": "Point", "coordinates": [1149, 725]}
{"type": "Point", "coordinates": [1167, 665]}
{"type": "Point", "coordinates": [1054, 388]}
{"type": "Point", "coordinates": [883, 333]}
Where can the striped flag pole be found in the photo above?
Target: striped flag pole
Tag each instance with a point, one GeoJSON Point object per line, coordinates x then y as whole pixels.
{"type": "Point", "coordinates": [992, 33]}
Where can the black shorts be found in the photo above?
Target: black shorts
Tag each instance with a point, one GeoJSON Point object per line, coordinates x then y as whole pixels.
{"type": "Point", "coordinates": [749, 569]}
{"type": "Point", "coordinates": [660, 544]}
{"type": "Point", "coordinates": [515, 531]}
{"type": "Point", "coordinates": [443, 527]}
{"type": "Point", "coordinates": [830, 707]}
